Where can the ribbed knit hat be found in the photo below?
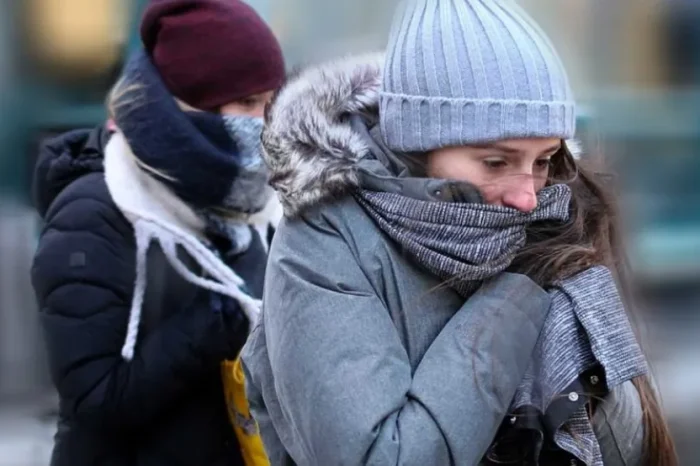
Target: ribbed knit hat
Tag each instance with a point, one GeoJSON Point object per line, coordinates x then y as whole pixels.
{"type": "Point", "coordinates": [211, 52]}
{"type": "Point", "coordinates": [462, 72]}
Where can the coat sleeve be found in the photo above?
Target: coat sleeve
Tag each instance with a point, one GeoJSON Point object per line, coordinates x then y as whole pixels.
{"type": "Point", "coordinates": [339, 389]}
{"type": "Point", "coordinates": [83, 275]}
{"type": "Point", "coordinates": [618, 424]}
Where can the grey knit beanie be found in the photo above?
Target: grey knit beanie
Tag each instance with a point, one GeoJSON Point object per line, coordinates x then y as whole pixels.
{"type": "Point", "coordinates": [462, 72]}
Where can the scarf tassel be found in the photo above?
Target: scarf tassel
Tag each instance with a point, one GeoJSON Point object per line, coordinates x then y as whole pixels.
{"type": "Point", "coordinates": [225, 281]}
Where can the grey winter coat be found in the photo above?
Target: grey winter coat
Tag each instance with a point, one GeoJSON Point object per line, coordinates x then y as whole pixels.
{"type": "Point", "coordinates": [361, 358]}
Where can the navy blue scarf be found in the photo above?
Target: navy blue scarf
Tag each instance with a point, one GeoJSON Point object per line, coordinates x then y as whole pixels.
{"type": "Point", "coordinates": [211, 162]}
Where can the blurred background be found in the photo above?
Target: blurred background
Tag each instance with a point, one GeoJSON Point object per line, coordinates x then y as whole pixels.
{"type": "Point", "coordinates": [635, 66]}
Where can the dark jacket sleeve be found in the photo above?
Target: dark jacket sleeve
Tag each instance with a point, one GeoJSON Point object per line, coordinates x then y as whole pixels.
{"type": "Point", "coordinates": [83, 276]}
{"type": "Point", "coordinates": [327, 369]}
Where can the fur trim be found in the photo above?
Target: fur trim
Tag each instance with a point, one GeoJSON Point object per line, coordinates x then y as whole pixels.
{"type": "Point", "coordinates": [308, 145]}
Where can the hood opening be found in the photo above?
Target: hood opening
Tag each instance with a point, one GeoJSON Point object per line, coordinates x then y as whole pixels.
{"type": "Point", "coordinates": [311, 141]}
{"type": "Point", "coordinates": [64, 159]}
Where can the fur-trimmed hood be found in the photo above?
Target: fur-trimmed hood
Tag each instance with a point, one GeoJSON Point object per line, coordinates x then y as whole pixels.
{"type": "Point", "coordinates": [310, 144]}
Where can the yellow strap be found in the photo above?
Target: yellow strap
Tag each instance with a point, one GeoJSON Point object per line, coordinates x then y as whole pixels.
{"type": "Point", "coordinates": [239, 413]}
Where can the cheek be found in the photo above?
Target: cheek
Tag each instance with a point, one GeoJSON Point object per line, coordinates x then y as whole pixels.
{"type": "Point", "coordinates": [232, 110]}
{"type": "Point", "coordinates": [258, 111]}
{"type": "Point", "coordinates": [493, 193]}
{"type": "Point", "coordinates": [540, 182]}
{"type": "Point", "coordinates": [454, 167]}
{"type": "Point", "coordinates": [235, 109]}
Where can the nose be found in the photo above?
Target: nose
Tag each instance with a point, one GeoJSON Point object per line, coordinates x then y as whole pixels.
{"type": "Point", "coordinates": [521, 196]}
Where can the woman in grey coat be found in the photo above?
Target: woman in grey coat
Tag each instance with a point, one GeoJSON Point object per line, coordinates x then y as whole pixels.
{"type": "Point", "coordinates": [443, 288]}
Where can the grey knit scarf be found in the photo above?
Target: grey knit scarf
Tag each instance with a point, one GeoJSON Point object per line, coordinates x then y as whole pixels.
{"type": "Point", "coordinates": [461, 243]}
{"type": "Point", "coordinates": [587, 327]}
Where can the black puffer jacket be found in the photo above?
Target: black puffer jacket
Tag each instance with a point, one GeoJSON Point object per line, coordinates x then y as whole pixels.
{"type": "Point", "coordinates": [165, 407]}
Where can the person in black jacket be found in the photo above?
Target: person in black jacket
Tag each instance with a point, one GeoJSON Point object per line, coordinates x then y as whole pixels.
{"type": "Point", "coordinates": [151, 262]}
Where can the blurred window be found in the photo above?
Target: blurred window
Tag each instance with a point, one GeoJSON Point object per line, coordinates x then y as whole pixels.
{"type": "Point", "coordinates": [77, 37]}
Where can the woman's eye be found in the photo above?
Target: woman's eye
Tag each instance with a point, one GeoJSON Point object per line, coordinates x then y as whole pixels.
{"type": "Point", "coordinates": [248, 103]}
{"type": "Point", "coordinates": [544, 163]}
{"type": "Point", "coordinates": [494, 163]}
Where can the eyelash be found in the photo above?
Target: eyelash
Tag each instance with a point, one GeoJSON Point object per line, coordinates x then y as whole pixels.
{"type": "Point", "coordinates": [545, 163]}
{"type": "Point", "coordinates": [498, 164]}
{"type": "Point", "coordinates": [494, 164]}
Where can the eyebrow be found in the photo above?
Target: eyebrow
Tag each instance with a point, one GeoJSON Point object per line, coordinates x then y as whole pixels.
{"type": "Point", "coordinates": [511, 150]}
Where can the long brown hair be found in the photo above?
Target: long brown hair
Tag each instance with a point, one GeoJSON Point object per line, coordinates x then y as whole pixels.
{"type": "Point", "coordinates": [593, 237]}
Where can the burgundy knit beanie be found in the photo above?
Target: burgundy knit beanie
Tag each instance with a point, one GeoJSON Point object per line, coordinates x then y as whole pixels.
{"type": "Point", "coordinates": [211, 52]}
